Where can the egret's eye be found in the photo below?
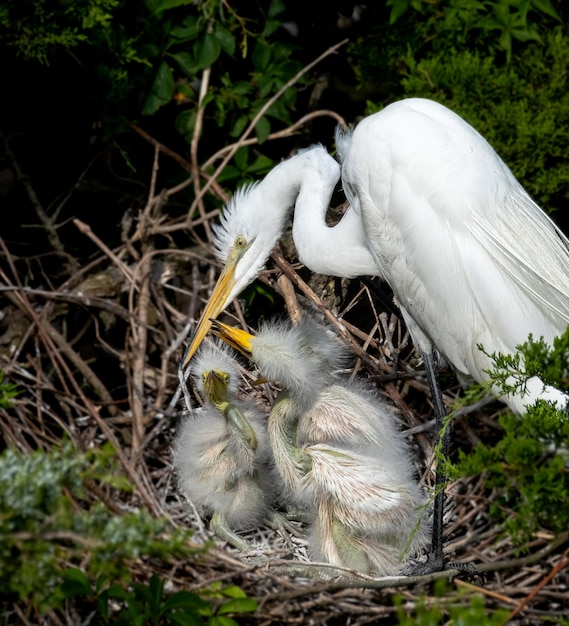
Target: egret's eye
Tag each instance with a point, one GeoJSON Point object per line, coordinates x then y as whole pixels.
{"type": "Point", "coordinates": [240, 242]}
{"type": "Point", "coordinates": [225, 378]}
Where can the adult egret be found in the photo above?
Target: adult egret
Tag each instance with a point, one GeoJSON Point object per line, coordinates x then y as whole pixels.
{"type": "Point", "coordinates": [338, 450]}
{"type": "Point", "coordinates": [221, 454]}
{"type": "Point", "coordinates": [436, 213]}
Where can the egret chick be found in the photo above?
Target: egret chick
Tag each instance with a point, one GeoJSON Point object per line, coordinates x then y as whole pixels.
{"type": "Point", "coordinates": [221, 454]}
{"type": "Point", "coordinates": [337, 448]}
{"type": "Point", "coordinates": [368, 517]}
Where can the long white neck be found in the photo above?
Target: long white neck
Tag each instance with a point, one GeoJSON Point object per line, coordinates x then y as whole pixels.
{"type": "Point", "coordinates": [339, 250]}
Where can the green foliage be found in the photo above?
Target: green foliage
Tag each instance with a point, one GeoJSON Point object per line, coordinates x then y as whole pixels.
{"type": "Point", "coordinates": [458, 607]}
{"type": "Point", "coordinates": [528, 469]}
{"type": "Point", "coordinates": [47, 519]}
{"type": "Point", "coordinates": [8, 391]}
{"type": "Point", "coordinates": [533, 358]}
{"type": "Point", "coordinates": [152, 55]}
{"type": "Point", "coordinates": [494, 23]}
{"type": "Point", "coordinates": [149, 604]}
{"type": "Point", "coordinates": [246, 166]}
{"type": "Point", "coordinates": [36, 29]}
{"type": "Point", "coordinates": [58, 547]}
{"type": "Point", "coordinates": [427, 29]}
{"type": "Point", "coordinates": [236, 95]}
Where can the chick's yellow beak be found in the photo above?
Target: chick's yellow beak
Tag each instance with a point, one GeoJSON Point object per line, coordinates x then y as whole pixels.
{"type": "Point", "coordinates": [235, 337]}
{"type": "Point", "coordinates": [215, 305]}
{"type": "Point", "coordinates": [215, 386]}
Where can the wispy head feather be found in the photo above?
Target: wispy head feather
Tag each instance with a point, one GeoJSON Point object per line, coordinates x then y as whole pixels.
{"type": "Point", "coordinates": [236, 219]}
{"type": "Point", "coordinates": [303, 357]}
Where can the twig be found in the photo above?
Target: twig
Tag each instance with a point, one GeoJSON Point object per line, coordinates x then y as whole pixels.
{"type": "Point", "coordinates": [86, 230]}
{"type": "Point", "coordinates": [258, 116]}
{"type": "Point", "coordinates": [281, 134]}
{"type": "Point", "coordinates": [47, 221]}
{"type": "Point", "coordinates": [555, 570]}
{"type": "Point", "coordinates": [194, 148]}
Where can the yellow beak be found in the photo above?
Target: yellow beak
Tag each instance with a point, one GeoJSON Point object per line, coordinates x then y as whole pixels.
{"type": "Point", "coordinates": [215, 386]}
{"type": "Point", "coordinates": [235, 337]}
{"type": "Point", "coordinates": [214, 307]}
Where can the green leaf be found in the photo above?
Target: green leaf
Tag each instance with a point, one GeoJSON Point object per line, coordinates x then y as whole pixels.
{"type": "Point", "coordinates": [186, 619]}
{"type": "Point", "coordinates": [546, 7]}
{"type": "Point", "coordinates": [241, 158]}
{"type": "Point", "coordinates": [117, 592]}
{"type": "Point", "coordinates": [75, 583]}
{"type": "Point", "coordinates": [158, 6]}
{"type": "Point", "coordinates": [222, 620]}
{"type": "Point", "coordinates": [225, 38]}
{"type": "Point", "coordinates": [229, 173]}
{"type": "Point", "coordinates": [233, 591]}
{"type": "Point", "coordinates": [161, 92]}
{"type": "Point", "coordinates": [238, 605]}
{"type": "Point", "coordinates": [207, 51]}
{"type": "Point", "coordinates": [185, 122]}
{"type": "Point", "coordinates": [189, 29]}
{"type": "Point", "coordinates": [239, 126]}
{"type": "Point", "coordinates": [261, 56]}
{"type": "Point", "coordinates": [241, 87]}
{"type": "Point", "coordinates": [260, 166]}
{"type": "Point", "coordinates": [156, 593]}
{"type": "Point", "coordinates": [398, 8]}
{"type": "Point", "coordinates": [263, 129]}
{"type": "Point", "coordinates": [187, 63]}
{"type": "Point", "coordinates": [275, 8]}
{"type": "Point", "coordinates": [186, 600]}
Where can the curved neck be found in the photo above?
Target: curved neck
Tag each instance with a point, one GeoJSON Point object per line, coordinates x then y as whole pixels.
{"type": "Point", "coordinates": [339, 250]}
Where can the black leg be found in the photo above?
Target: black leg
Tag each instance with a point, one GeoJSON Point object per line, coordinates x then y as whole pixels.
{"type": "Point", "coordinates": [435, 561]}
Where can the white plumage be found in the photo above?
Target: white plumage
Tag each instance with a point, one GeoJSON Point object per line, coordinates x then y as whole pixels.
{"type": "Point", "coordinates": [436, 213]}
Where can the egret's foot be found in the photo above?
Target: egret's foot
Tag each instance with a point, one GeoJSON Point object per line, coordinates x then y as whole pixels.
{"type": "Point", "coordinates": [434, 563]}
{"type": "Point", "coordinates": [473, 573]}
{"type": "Point", "coordinates": [255, 558]}
{"type": "Point", "coordinates": [438, 565]}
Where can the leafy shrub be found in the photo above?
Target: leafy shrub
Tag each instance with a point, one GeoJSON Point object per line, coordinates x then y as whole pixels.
{"type": "Point", "coordinates": [152, 55]}
{"type": "Point", "coordinates": [37, 29]}
{"type": "Point", "coordinates": [48, 522]}
{"type": "Point", "coordinates": [528, 469]}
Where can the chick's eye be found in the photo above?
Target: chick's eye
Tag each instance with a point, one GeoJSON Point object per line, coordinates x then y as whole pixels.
{"type": "Point", "coordinates": [240, 242]}
{"type": "Point", "coordinates": [226, 379]}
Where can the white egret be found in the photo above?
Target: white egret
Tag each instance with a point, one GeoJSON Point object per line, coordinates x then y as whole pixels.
{"type": "Point", "coordinates": [338, 450]}
{"type": "Point", "coordinates": [437, 214]}
{"type": "Point", "coordinates": [221, 453]}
